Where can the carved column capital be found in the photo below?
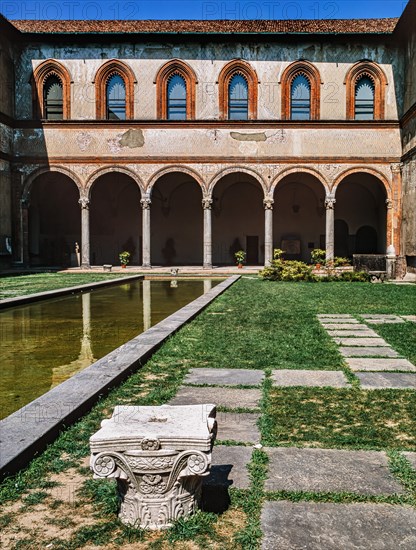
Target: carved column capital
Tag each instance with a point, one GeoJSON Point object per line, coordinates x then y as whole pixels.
{"type": "Point", "coordinates": [268, 203]}
{"type": "Point", "coordinates": [84, 202]}
{"type": "Point", "coordinates": [146, 202]}
{"type": "Point", "coordinates": [207, 203]}
{"type": "Point", "coordinates": [396, 167]}
{"type": "Point", "coordinates": [330, 202]}
{"type": "Point", "coordinates": [389, 204]}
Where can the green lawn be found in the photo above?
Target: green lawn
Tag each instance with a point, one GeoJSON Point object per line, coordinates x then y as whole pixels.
{"type": "Point", "coordinates": [21, 285]}
{"type": "Point", "coordinates": [255, 324]}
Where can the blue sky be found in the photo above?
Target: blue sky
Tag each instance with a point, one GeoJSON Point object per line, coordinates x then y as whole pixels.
{"type": "Point", "coordinates": [197, 9]}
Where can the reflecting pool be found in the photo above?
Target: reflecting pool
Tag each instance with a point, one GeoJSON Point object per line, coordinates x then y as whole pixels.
{"type": "Point", "coordinates": [44, 343]}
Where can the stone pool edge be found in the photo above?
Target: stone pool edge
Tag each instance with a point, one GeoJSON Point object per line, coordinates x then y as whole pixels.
{"type": "Point", "coordinates": [48, 294]}
{"type": "Point", "coordinates": [27, 431]}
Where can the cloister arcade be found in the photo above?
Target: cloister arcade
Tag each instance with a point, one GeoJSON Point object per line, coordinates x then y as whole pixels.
{"type": "Point", "coordinates": [177, 219]}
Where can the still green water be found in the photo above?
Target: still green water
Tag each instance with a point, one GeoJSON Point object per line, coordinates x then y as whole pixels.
{"type": "Point", "coordinates": [44, 343]}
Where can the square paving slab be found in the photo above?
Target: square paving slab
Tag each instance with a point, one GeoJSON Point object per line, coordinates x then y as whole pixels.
{"type": "Point", "coordinates": [411, 318]}
{"type": "Point", "coordinates": [328, 526]}
{"type": "Point", "coordinates": [332, 315]}
{"type": "Point", "coordinates": [227, 397]}
{"type": "Point", "coordinates": [337, 320]}
{"type": "Point", "coordinates": [355, 333]}
{"type": "Point", "coordinates": [411, 457]}
{"type": "Point", "coordinates": [227, 377]}
{"type": "Point", "coordinates": [318, 378]}
{"type": "Point", "coordinates": [345, 326]}
{"type": "Point", "coordinates": [330, 470]}
{"type": "Point", "coordinates": [365, 342]}
{"type": "Point", "coordinates": [241, 427]}
{"type": "Point", "coordinates": [229, 467]}
{"type": "Point", "coordinates": [377, 319]}
{"type": "Point", "coordinates": [377, 364]}
{"type": "Point", "coordinates": [368, 352]}
{"type": "Point", "coordinates": [375, 380]}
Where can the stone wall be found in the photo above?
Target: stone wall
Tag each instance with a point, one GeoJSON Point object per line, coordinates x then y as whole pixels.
{"type": "Point", "coordinates": [333, 59]}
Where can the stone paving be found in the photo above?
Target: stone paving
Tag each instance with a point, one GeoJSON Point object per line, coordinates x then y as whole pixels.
{"type": "Point", "coordinates": [306, 524]}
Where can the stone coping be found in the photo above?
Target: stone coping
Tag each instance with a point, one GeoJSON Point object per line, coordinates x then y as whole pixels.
{"type": "Point", "coordinates": [26, 432]}
{"type": "Point", "coordinates": [29, 298]}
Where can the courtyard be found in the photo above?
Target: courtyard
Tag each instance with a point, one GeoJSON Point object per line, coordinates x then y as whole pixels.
{"type": "Point", "coordinates": [316, 446]}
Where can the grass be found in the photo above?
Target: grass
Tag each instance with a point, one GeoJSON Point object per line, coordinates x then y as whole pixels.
{"type": "Point", "coordinates": [257, 325]}
{"type": "Point", "coordinates": [21, 285]}
{"type": "Point", "coordinates": [341, 418]}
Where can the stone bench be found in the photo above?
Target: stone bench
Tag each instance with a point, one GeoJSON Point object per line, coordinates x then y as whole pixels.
{"type": "Point", "coordinates": [107, 267]}
{"type": "Point", "coordinates": [158, 456]}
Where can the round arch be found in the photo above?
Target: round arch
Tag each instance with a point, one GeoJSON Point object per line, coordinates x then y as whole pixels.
{"type": "Point", "coordinates": [177, 217]}
{"type": "Point", "coordinates": [362, 196]}
{"type": "Point", "coordinates": [27, 185]}
{"type": "Point", "coordinates": [111, 170]}
{"type": "Point", "coordinates": [297, 170]}
{"type": "Point", "coordinates": [172, 169]}
{"type": "Point", "coordinates": [367, 170]}
{"type": "Point", "coordinates": [299, 212]}
{"type": "Point", "coordinates": [237, 170]}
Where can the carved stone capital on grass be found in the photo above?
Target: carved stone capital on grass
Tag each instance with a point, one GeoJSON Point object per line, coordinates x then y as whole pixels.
{"type": "Point", "coordinates": [158, 456]}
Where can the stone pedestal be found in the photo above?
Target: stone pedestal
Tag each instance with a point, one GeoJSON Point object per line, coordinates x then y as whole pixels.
{"type": "Point", "coordinates": [158, 456]}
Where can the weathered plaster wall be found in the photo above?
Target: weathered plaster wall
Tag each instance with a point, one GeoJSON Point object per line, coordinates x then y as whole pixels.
{"type": "Point", "coordinates": [68, 143]}
{"type": "Point", "coordinates": [269, 60]}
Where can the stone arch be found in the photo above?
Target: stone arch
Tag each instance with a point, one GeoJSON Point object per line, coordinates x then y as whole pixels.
{"type": "Point", "coordinates": [27, 185]}
{"type": "Point", "coordinates": [376, 74]}
{"type": "Point", "coordinates": [48, 68]}
{"type": "Point", "coordinates": [172, 67]}
{"type": "Point", "coordinates": [236, 170]}
{"type": "Point", "coordinates": [171, 169]}
{"type": "Point", "coordinates": [299, 219]}
{"type": "Point", "coordinates": [363, 197]}
{"type": "Point", "coordinates": [177, 217]}
{"type": "Point", "coordinates": [238, 66]}
{"type": "Point", "coordinates": [104, 73]}
{"type": "Point", "coordinates": [367, 170]}
{"type": "Point", "coordinates": [111, 169]}
{"type": "Point", "coordinates": [312, 74]}
{"type": "Point", "coordinates": [296, 170]}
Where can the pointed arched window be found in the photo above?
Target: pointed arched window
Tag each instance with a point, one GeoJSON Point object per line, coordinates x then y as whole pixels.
{"type": "Point", "coordinates": [53, 98]}
{"type": "Point", "coordinates": [116, 98]}
{"type": "Point", "coordinates": [176, 96]}
{"type": "Point", "coordinates": [238, 98]}
{"type": "Point", "coordinates": [364, 99]}
{"type": "Point", "coordinates": [300, 98]}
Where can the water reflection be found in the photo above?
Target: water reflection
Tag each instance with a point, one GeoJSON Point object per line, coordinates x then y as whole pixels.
{"type": "Point", "coordinates": [44, 343]}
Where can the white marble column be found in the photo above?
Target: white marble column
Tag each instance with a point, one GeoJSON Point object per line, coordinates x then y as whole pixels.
{"type": "Point", "coordinates": [330, 230]}
{"type": "Point", "coordinates": [268, 230]}
{"type": "Point", "coordinates": [147, 305]}
{"type": "Point", "coordinates": [207, 253]}
{"type": "Point", "coordinates": [85, 232]}
{"type": "Point", "coordinates": [146, 202]}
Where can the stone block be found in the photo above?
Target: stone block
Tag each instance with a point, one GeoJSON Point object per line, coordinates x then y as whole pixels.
{"type": "Point", "coordinates": [376, 380]}
{"type": "Point", "coordinates": [411, 457]}
{"type": "Point", "coordinates": [368, 352]}
{"type": "Point", "coordinates": [345, 326]}
{"type": "Point", "coordinates": [353, 333]}
{"type": "Point", "coordinates": [378, 364]}
{"type": "Point", "coordinates": [338, 320]}
{"type": "Point", "coordinates": [328, 526]}
{"type": "Point", "coordinates": [231, 398]}
{"type": "Point", "coordinates": [229, 467]}
{"type": "Point", "coordinates": [411, 318]}
{"type": "Point", "coordinates": [318, 378]}
{"type": "Point", "coordinates": [239, 427]}
{"type": "Point", "coordinates": [226, 377]}
{"type": "Point", "coordinates": [382, 319]}
{"type": "Point", "coordinates": [330, 470]}
{"type": "Point", "coordinates": [365, 342]}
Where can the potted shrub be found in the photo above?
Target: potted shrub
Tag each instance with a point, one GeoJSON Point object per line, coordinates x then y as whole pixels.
{"type": "Point", "coordinates": [240, 258]}
{"type": "Point", "coordinates": [318, 257]}
{"type": "Point", "coordinates": [124, 258]}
